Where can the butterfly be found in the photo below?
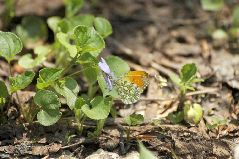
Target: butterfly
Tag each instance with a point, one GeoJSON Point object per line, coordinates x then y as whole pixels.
{"type": "Point", "coordinates": [129, 87]}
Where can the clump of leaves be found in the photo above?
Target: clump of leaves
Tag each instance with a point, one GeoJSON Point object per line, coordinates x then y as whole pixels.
{"type": "Point", "coordinates": [216, 122]}
{"type": "Point", "coordinates": [10, 46]}
{"type": "Point", "coordinates": [222, 34]}
{"type": "Point", "coordinates": [187, 78]}
{"type": "Point", "coordinates": [192, 113]}
{"type": "Point", "coordinates": [79, 40]}
{"type": "Point", "coordinates": [132, 120]}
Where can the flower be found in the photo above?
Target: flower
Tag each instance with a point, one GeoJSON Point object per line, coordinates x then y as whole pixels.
{"type": "Point", "coordinates": [108, 75]}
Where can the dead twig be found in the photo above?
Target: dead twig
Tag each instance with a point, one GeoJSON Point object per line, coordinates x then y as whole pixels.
{"type": "Point", "coordinates": [81, 141]}
{"type": "Point", "coordinates": [205, 91]}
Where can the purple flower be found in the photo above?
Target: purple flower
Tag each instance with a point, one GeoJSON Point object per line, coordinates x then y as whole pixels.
{"type": "Point", "coordinates": [108, 75]}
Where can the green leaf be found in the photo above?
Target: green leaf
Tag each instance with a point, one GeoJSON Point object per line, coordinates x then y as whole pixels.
{"type": "Point", "coordinates": [234, 32]}
{"type": "Point", "coordinates": [3, 94]}
{"type": "Point", "coordinates": [88, 40]}
{"type": "Point", "coordinates": [103, 86]}
{"type": "Point", "coordinates": [32, 31]}
{"type": "Point", "coordinates": [100, 108]}
{"type": "Point", "coordinates": [90, 67]}
{"type": "Point", "coordinates": [235, 16]}
{"type": "Point", "coordinates": [21, 81]}
{"type": "Point", "coordinates": [10, 45]}
{"type": "Point", "coordinates": [216, 122]}
{"type": "Point", "coordinates": [7, 13]}
{"type": "Point", "coordinates": [144, 153]}
{"type": "Point", "coordinates": [114, 62]}
{"type": "Point", "coordinates": [68, 24]}
{"type": "Point", "coordinates": [79, 103]}
{"type": "Point", "coordinates": [47, 76]}
{"type": "Point", "coordinates": [193, 113]}
{"type": "Point", "coordinates": [4, 91]}
{"type": "Point", "coordinates": [188, 72]}
{"type": "Point", "coordinates": [219, 34]}
{"type": "Point", "coordinates": [68, 88]}
{"type": "Point", "coordinates": [64, 39]}
{"type": "Point", "coordinates": [46, 100]}
{"type": "Point", "coordinates": [134, 119]}
{"type": "Point", "coordinates": [53, 23]}
{"type": "Point", "coordinates": [175, 79]}
{"type": "Point", "coordinates": [176, 118]}
{"type": "Point", "coordinates": [102, 26]}
{"type": "Point", "coordinates": [49, 105]}
{"type": "Point", "coordinates": [26, 61]}
{"type": "Point", "coordinates": [212, 5]}
{"type": "Point", "coordinates": [48, 117]}
{"type": "Point", "coordinates": [73, 7]}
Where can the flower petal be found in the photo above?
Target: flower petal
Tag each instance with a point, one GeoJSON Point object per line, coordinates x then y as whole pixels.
{"type": "Point", "coordinates": [104, 66]}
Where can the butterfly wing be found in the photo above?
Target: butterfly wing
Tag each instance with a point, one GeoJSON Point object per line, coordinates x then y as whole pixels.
{"type": "Point", "coordinates": [131, 86]}
{"type": "Point", "coordinates": [128, 92]}
{"type": "Point", "coordinates": [139, 78]}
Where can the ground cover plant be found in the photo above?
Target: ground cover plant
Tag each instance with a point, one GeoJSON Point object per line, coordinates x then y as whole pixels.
{"type": "Point", "coordinates": [72, 83]}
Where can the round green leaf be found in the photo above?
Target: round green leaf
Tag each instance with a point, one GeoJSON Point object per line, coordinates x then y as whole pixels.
{"type": "Point", "coordinates": [48, 117]}
{"type": "Point", "coordinates": [68, 88]}
{"type": "Point", "coordinates": [188, 71]}
{"type": "Point", "coordinates": [53, 23]}
{"type": "Point", "coordinates": [46, 100]}
{"type": "Point", "coordinates": [26, 61]}
{"type": "Point", "coordinates": [21, 81]}
{"type": "Point", "coordinates": [100, 108]}
{"type": "Point", "coordinates": [68, 24]}
{"type": "Point", "coordinates": [212, 5]}
{"type": "Point", "coordinates": [88, 40]}
{"type": "Point", "coordinates": [10, 45]}
{"type": "Point", "coordinates": [117, 65]}
{"type": "Point", "coordinates": [47, 76]}
{"type": "Point", "coordinates": [134, 119]}
{"type": "Point", "coordinates": [32, 31]}
{"type": "Point", "coordinates": [64, 39]}
{"type": "Point", "coordinates": [73, 6]}
{"type": "Point", "coordinates": [102, 26]}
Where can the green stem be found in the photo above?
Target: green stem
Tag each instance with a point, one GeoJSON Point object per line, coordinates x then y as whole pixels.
{"type": "Point", "coordinates": [91, 91]}
{"type": "Point", "coordinates": [10, 75]}
{"type": "Point", "coordinates": [182, 98]}
{"type": "Point", "coordinates": [99, 127]}
{"type": "Point", "coordinates": [77, 72]}
{"type": "Point", "coordinates": [80, 123]}
{"type": "Point", "coordinates": [128, 135]}
{"type": "Point", "coordinates": [80, 118]}
{"type": "Point", "coordinates": [71, 63]}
